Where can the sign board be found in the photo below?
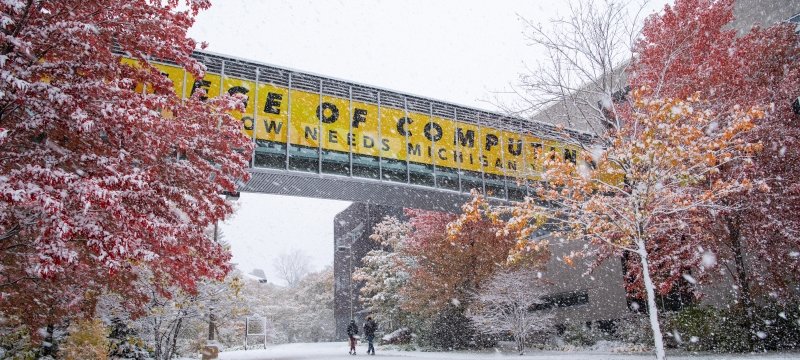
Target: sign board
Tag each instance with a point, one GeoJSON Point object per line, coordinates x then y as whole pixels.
{"type": "Point", "coordinates": [255, 327]}
{"type": "Point", "coordinates": [387, 129]}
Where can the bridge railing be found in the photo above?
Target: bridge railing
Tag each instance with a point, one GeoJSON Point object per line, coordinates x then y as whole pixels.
{"type": "Point", "coordinates": [311, 123]}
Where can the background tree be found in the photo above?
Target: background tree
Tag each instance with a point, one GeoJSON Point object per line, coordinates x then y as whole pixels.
{"type": "Point", "coordinates": [690, 47]}
{"type": "Point", "coordinates": [314, 296]}
{"type": "Point", "coordinates": [507, 304]}
{"type": "Point", "coordinates": [303, 313]}
{"type": "Point", "coordinates": [178, 325]}
{"type": "Point", "coordinates": [427, 245]}
{"type": "Point", "coordinates": [96, 184]}
{"type": "Point", "coordinates": [661, 168]}
{"type": "Point", "coordinates": [385, 272]}
{"type": "Point", "coordinates": [292, 266]}
{"type": "Point", "coordinates": [587, 54]}
{"type": "Point", "coordinates": [453, 255]}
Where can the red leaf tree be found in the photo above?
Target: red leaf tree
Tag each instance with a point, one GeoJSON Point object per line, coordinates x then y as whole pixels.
{"type": "Point", "coordinates": [453, 255]}
{"type": "Point", "coordinates": [102, 185]}
{"type": "Point", "coordinates": [688, 48]}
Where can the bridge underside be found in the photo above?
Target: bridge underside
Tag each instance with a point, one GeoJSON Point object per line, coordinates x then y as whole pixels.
{"type": "Point", "coordinates": [292, 183]}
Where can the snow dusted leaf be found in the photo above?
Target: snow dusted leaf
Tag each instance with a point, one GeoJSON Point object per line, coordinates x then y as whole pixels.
{"type": "Point", "coordinates": [95, 173]}
{"type": "Point", "coordinates": [680, 50]}
{"type": "Point", "coordinates": [656, 216]}
{"type": "Point", "coordinates": [690, 279]}
{"type": "Point", "coordinates": [709, 259]}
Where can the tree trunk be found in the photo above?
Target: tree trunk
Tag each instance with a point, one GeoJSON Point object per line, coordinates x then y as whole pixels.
{"type": "Point", "coordinates": [49, 344]}
{"type": "Point", "coordinates": [743, 295]}
{"type": "Point", "coordinates": [172, 352]}
{"type": "Point", "coordinates": [734, 236]}
{"type": "Point", "coordinates": [652, 310]}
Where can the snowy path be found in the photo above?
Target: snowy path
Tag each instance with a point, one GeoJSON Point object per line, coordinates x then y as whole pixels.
{"type": "Point", "coordinates": [334, 351]}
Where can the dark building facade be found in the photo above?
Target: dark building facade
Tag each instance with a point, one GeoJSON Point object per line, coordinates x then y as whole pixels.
{"type": "Point", "coordinates": [574, 297]}
{"type": "Point", "coordinates": [351, 230]}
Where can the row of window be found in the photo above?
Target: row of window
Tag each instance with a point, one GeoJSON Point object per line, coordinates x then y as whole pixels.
{"type": "Point", "coordinates": [560, 300]}
{"type": "Point", "coordinates": [274, 155]}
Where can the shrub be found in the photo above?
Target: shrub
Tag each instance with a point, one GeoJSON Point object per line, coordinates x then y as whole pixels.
{"type": "Point", "coordinates": [399, 336]}
{"type": "Point", "coordinates": [772, 327]}
{"type": "Point", "coordinates": [124, 342]}
{"type": "Point", "coordinates": [635, 330]}
{"type": "Point", "coordinates": [452, 330]}
{"type": "Point", "coordinates": [703, 328]}
{"type": "Point", "coordinates": [581, 334]}
{"type": "Point", "coordinates": [87, 339]}
{"type": "Point", "coordinates": [777, 327]}
{"type": "Point", "coordinates": [15, 344]}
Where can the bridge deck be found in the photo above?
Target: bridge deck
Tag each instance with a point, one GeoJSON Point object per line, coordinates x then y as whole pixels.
{"type": "Point", "coordinates": [326, 186]}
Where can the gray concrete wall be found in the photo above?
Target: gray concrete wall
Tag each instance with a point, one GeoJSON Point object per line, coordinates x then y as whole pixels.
{"type": "Point", "coordinates": [604, 286]}
{"type": "Point", "coordinates": [748, 13]}
{"type": "Point", "coordinates": [351, 230]}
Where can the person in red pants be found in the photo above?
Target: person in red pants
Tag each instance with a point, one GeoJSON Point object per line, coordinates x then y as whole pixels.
{"type": "Point", "coordinates": [352, 331]}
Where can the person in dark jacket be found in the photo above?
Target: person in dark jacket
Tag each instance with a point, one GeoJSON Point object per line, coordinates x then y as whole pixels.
{"type": "Point", "coordinates": [369, 332]}
{"type": "Point", "coordinates": [352, 331]}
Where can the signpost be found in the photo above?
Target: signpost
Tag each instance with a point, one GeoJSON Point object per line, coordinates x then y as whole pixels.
{"type": "Point", "coordinates": [255, 326]}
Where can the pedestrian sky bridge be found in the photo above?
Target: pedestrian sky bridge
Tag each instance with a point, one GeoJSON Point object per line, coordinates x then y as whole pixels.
{"type": "Point", "coordinates": [326, 138]}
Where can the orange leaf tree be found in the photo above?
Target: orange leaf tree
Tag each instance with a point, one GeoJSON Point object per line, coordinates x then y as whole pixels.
{"type": "Point", "coordinates": [453, 255]}
{"type": "Point", "coordinates": [625, 196]}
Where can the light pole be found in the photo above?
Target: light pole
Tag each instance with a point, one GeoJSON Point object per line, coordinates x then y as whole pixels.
{"type": "Point", "coordinates": [349, 249]}
{"type": "Point", "coordinates": [345, 245]}
{"type": "Point", "coordinates": [211, 350]}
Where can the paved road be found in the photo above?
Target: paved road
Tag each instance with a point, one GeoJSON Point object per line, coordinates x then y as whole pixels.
{"type": "Point", "coordinates": [338, 351]}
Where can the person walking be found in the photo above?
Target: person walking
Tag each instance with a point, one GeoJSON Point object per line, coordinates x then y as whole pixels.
{"type": "Point", "coordinates": [369, 332]}
{"type": "Point", "coordinates": [352, 331]}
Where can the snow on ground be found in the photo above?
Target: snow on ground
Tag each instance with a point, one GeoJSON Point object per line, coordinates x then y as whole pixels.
{"type": "Point", "coordinates": [338, 351]}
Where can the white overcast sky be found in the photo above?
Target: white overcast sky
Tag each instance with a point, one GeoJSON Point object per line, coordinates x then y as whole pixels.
{"type": "Point", "coordinates": [460, 51]}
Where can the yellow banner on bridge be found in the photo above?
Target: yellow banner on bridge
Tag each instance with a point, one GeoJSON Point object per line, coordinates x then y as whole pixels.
{"type": "Point", "coordinates": [304, 118]}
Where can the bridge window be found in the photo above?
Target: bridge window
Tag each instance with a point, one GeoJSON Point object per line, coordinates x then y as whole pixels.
{"type": "Point", "coordinates": [270, 154]}
{"type": "Point", "coordinates": [516, 190]}
{"type": "Point", "coordinates": [796, 20]}
{"type": "Point", "coordinates": [420, 174]}
{"type": "Point", "coordinates": [366, 166]}
{"type": "Point", "coordinates": [335, 162]}
{"type": "Point", "coordinates": [495, 186]}
{"type": "Point", "coordinates": [394, 170]}
{"type": "Point", "coordinates": [471, 180]}
{"type": "Point", "coordinates": [446, 178]}
{"type": "Point", "coordinates": [303, 158]}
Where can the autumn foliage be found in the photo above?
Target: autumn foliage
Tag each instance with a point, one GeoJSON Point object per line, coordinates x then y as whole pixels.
{"type": "Point", "coordinates": [103, 185]}
{"type": "Point", "coordinates": [454, 254]}
{"type": "Point", "coordinates": [660, 167]}
{"type": "Point", "coordinates": [689, 48]}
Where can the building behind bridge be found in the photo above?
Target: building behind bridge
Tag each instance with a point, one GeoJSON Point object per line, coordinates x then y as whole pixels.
{"type": "Point", "coordinates": [599, 298]}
